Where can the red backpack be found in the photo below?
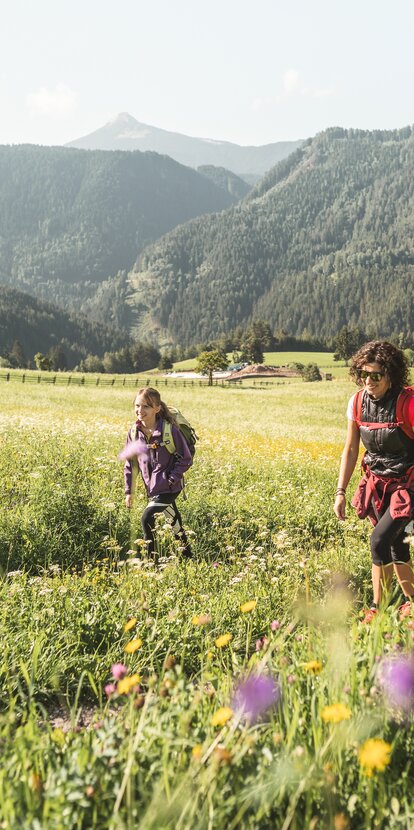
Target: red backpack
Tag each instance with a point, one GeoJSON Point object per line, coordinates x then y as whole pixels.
{"type": "Point", "coordinates": [401, 412]}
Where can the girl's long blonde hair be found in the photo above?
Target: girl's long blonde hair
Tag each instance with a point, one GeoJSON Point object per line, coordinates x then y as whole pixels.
{"type": "Point", "coordinates": [153, 398]}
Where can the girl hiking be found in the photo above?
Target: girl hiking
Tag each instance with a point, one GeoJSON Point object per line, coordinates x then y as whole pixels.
{"type": "Point", "coordinates": [381, 414]}
{"type": "Point", "coordinates": [161, 469]}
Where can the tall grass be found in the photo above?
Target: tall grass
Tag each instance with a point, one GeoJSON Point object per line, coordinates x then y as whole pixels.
{"type": "Point", "coordinates": [259, 508]}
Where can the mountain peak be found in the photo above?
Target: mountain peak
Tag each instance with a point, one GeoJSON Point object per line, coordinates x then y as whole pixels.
{"type": "Point", "coordinates": [123, 118]}
{"type": "Point", "coordinates": [124, 132]}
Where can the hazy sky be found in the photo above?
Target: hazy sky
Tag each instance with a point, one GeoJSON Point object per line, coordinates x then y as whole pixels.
{"type": "Point", "coordinates": [248, 71]}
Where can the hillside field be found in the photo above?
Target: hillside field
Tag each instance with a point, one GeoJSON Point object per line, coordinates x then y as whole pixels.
{"type": "Point", "coordinates": [324, 360]}
{"type": "Point", "coordinates": [253, 696]}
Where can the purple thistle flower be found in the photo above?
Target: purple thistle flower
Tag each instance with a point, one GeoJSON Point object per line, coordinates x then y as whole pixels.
{"type": "Point", "coordinates": [118, 671]}
{"type": "Point", "coordinates": [396, 677]}
{"type": "Point", "coordinates": [255, 695]}
{"type": "Point", "coordinates": [129, 450]}
{"type": "Point", "coordinates": [110, 689]}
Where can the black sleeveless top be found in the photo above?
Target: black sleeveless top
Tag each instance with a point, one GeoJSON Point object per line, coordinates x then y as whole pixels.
{"type": "Point", "coordinates": [389, 451]}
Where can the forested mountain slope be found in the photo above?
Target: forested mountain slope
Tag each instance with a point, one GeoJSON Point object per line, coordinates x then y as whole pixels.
{"type": "Point", "coordinates": [38, 326]}
{"type": "Point", "coordinates": [325, 239]}
{"type": "Point", "coordinates": [70, 217]}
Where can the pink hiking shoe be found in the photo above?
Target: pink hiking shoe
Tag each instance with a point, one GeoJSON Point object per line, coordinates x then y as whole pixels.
{"type": "Point", "coordinates": [405, 609]}
{"type": "Point", "coordinates": [369, 615]}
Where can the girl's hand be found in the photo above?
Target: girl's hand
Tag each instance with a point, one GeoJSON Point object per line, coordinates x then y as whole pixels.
{"type": "Point", "coordinates": [340, 507]}
{"type": "Point", "coordinates": [128, 500]}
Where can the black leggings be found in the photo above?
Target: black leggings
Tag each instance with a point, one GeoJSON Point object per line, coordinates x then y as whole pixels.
{"type": "Point", "coordinates": [387, 540]}
{"type": "Point", "coordinates": [164, 503]}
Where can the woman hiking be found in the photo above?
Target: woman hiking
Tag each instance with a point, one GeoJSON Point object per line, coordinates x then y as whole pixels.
{"type": "Point", "coordinates": [381, 414]}
{"type": "Point", "coordinates": [161, 470]}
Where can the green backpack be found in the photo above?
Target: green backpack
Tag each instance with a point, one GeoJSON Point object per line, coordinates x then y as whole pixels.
{"type": "Point", "coordinates": [189, 433]}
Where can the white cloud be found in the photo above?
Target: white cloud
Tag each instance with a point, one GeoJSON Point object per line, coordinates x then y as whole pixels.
{"type": "Point", "coordinates": [59, 102]}
{"type": "Point", "coordinates": [293, 86]}
{"type": "Point", "coordinates": [325, 92]}
{"type": "Point", "coordinates": [291, 83]}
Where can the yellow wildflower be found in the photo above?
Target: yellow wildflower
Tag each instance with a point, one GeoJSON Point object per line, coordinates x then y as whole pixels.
{"type": "Point", "coordinates": [313, 666]}
{"type": "Point", "coordinates": [249, 606]}
{"type": "Point", "coordinates": [127, 684]}
{"type": "Point", "coordinates": [223, 640]}
{"type": "Point", "coordinates": [133, 645]}
{"type": "Point", "coordinates": [374, 754]}
{"type": "Point", "coordinates": [197, 752]}
{"type": "Point", "coordinates": [130, 624]}
{"type": "Point", "coordinates": [335, 713]}
{"type": "Point", "coordinates": [201, 619]}
{"type": "Point", "coordinates": [222, 715]}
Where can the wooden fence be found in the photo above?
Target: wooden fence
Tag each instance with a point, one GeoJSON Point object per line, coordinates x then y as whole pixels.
{"type": "Point", "coordinates": [62, 379]}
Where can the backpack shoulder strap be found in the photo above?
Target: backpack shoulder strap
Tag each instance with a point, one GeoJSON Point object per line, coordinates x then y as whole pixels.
{"type": "Point", "coordinates": [167, 437]}
{"type": "Point", "coordinates": [401, 410]}
{"type": "Point", "coordinates": [357, 406]}
{"type": "Point", "coordinates": [133, 432]}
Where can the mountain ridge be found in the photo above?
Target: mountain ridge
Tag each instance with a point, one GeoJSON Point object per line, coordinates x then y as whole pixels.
{"type": "Point", "coordinates": [124, 132]}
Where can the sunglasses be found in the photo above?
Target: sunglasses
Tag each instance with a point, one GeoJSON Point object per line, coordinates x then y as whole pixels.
{"type": "Point", "coordinates": [375, 376]}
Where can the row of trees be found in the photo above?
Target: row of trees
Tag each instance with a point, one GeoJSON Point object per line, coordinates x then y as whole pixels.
{"type": "Point", "coordinates": [138, 357]}
{"type": "Point", "coordinates": [246, 345]}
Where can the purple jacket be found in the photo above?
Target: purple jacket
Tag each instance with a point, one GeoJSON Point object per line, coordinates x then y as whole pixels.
{"type": "Point", "coordinates": [161, 471]}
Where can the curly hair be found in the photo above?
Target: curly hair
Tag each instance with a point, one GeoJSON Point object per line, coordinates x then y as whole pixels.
{"type": "Point", "coordinates": [390, 358]}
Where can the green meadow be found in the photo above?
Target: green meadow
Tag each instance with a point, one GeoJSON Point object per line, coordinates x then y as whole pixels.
{"type": "Point", "coordinates": [273, 595]}
{"type": "Point", "coordinates": [323, 359]}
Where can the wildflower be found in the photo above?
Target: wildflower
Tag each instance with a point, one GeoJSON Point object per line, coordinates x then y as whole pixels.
{"type": "Point", "coordinates": [35, 782]}
{"type": "Point", "coordinates": [223, 640]}
{"type": "Point", "coordinates": [255, 695]}
{"type": "Point", "coordinates": [129, 450]}
{"type": "Point", "coordinates": [341, 821]}
{"type": "Point", "coordinates": [130, 624]}
{"type": "Point", "coordinates": [249, 606]}
{"type": "Point", "coordinates": [313, 666]}
{"type": "Point", "coordinates": [397, 680]}
{"type": "Point", "coordinates": [110, 689]}
{"type": "Point", "coordinates": [126, 685]}
{"type": "Point", "coordinates": [261, 643]}
{"type": "Point", "coordinates": [222, 755]}
{"type": "Point", "coordinates": [118, 670]}
{"type": "Point", "coordinates": [197, 752]}
{"type": "Point", "coordinates": [201, 619]}
{"type": "Point", "coordinates": [222, 715]}
{"type": "Point", "coordinates": [291, 678]}
{"type": "Point", "coordinates": [275, 625]}
{"type": "Point", "coordinates": [133, 645]}
{"type": "Point", "coordinates": [335, 713]}
{"type": "Point", "coordinates": [374, 754]}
